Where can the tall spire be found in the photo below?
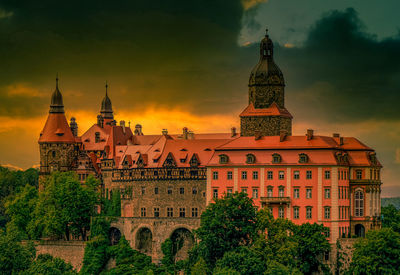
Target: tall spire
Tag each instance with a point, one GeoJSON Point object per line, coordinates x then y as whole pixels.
{"type": "Point", "coordinates": [56, 105]}
{"type": "Point", "coordinates": [106, 106]}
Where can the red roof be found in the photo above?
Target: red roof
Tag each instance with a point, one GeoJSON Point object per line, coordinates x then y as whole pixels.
{"type": "Point", "coordinates": [56, 129]}
{"type": "Point", "coordinates": [272, 110]}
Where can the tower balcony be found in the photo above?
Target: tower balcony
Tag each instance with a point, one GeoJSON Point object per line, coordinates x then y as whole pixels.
{"type": "Point", "coordinates": [274, 200]}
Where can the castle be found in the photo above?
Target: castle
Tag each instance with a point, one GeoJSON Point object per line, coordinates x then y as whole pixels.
{"type": "Point", "coordinates": [166, 180]}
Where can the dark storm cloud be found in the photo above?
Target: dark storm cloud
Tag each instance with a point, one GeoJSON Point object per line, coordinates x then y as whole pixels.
{"type": "Point", "coordinates": [342, 72]}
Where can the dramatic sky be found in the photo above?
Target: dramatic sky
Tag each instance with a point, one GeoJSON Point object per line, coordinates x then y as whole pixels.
{"type": "Point", "coordinates": [176, 63]}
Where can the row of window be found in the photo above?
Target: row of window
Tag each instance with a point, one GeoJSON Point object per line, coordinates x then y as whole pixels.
{"type": "Point", "coordinates": [169, 212]}
{"type": "Point", "coordinates": [270, 175]}
{"type": "Point", "coordinates": [309, 213]}
{"type": "Point", "coordinates": [250, 158]}
{"type": "Point", "coordinates": [170, 190]}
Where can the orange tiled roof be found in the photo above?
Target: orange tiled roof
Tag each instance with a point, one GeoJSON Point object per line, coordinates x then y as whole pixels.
{"type": "Point", "coordinates": [272, 110]}
{"type": "Point", "coordinates": [56, 129]}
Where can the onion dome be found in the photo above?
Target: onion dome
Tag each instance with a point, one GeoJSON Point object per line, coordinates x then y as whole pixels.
{"type": "Point", "coordinates": [106, 106]}
{"type": "Point", "coordinates": [266, 72]}
{"type": "Point", "coordinates": [56, 105]}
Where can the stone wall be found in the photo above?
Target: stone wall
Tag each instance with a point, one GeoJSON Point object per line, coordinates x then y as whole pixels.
{"type": "Point", "coordinates": [70, 251]}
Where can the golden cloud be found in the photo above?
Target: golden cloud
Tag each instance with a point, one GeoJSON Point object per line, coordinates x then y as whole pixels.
{"type": "Point", "coordinates": [24, 90]}
{"type": "Point", "coordinates": [248, 4]}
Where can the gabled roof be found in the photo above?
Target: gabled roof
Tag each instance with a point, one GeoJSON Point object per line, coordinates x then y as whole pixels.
{"type": "Point", "coordinates": [272, 110]}
{"type": "Point", "coordinates": [56, 129]}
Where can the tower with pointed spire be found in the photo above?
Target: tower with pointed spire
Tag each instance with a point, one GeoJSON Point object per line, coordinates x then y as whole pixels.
{"type": "Point", "coordinates": [106, 107]}
{"type": "Point", "coordinates": [57, 142]}
{"type": "Point", "coordinates": [266, 114]}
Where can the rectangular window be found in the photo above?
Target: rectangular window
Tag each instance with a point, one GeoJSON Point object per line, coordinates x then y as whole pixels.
{"type": "Point", "coordinates": [255, 175]}
{"type": "Point", "coordinates": [309, 212]}
{"type": "Point", "coordinates": [181, 190]}
{"type": "Point", "coordinates": [229, 175]}
{"type": "Point", "coordinates": [215, 193]}
{"type": "Point", "coordinates": [143, 190]}
{"type": "Point", "coordinates": [194, 191]}
{"type": "Point", "coordinates": [215, 175]}
{"type": "Point", "coordinates": [296, 175]}
{"type": "Point", "coordinates": [270, 175]}
{"type": "Point", "coordinates": [281, 175]}
{"type": "Point", "coordinates": [244, 175]}
{"type": "Point", "coordinates": [281, 212]}
{"type": "Point", "coordinates": [296, 212]}
{"type": "Point", "coordinates": [143, 212]}
{"type": "Point", "coordinates": [244, 190]}
{"type": "Point", "coordinates": [195, 212]}
{"type": "Point", "coordinates": [296, 193]}
{"type": "Point", "coordinates": [156, 212]}
{"type": "Point", "coordinates": [327, 174]}
{"type": "Point", "coordinates": [308, 174]}
{"type": "Point", "coordinates": [281, 192]}
{"type": "Point", "coordinates": [308, 193]}
{"type": "Point", "coordinates": [169, 191]}
{"type": "Point", "coordinates": [255, 193]}
{"type": "Point", "coordinates": [156, 190]}
{"type": "Point", "coordinates": [327, 212]}
{"type": "Point", "coordinates": [269, 192]}
{"type": "Point", "coordinates": [170, 212]}
{"type": "Point", "coordinates": [229, 191]}
{"type": "Point", "coordinates": [327, 193]}
{"type": "Point", "coordinates": [182, 212]}
{"type": "Point", "coordinates": [359, 174]}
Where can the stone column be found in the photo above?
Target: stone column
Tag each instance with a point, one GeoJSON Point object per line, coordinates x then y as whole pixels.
{"type": "Point", "coordinates": [334, 205]}
{"type": "Point", "coordinates": [262, 182]}
{"type": "Point", "coordinates": [289, 191]}
{"type": "Point", "coordinates": [319, 195]}
{"type": "Point", "coordinates": [235, 180]}
{"type": "Point", "coordinates": [208, 188]}
{"type": "Point", "coordinates": [368, 202]}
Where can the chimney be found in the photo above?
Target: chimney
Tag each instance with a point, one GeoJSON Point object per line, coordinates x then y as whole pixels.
{"type": "Point", "coordinates": [100, 121]}
{"type": "Point", "coordinates": [341, 141]}
{"type": "Point", "coordinates": [310, 134]}
{"type": "Point", "coordinates": [282, 135]}
{"type": "Point", "coordinates": [74, 126]}
{"type": "Point", "coordinates": [233, 131]}
{"type": "Point", "coordinates": [336, 135]}
{"type": "Point", "coordinates": [164, 132]}
{"type": "Point", "coordinates": [138, 130]}
{"type": "Point", "coordinates": [190, 135]}
{"type": "Point", "coordinates": [257, 135]}
{"type": "Point", "coordinates": [185, 132]}
{"type": "Point", "coordinates": [122, 124]}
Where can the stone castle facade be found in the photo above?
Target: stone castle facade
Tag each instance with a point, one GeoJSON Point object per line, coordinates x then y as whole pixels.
{"type": "Point", "coordinates": [166, 180]}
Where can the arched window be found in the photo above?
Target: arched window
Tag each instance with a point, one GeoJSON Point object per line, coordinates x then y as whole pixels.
{"type": "Point", "coordinates": [303, 158]}
{"type": "Point", "coordinates": [276, 158]}
{"type": "Point", "coordinates": [223, 159]}
{"type": "Point", "coordinates": [359, 203]}
{"type": "Point", "coordinates": [250, 158]}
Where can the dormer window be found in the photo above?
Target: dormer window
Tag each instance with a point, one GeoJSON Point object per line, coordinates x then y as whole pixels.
{"type": "Point", "coordinates": [372, 158]}
{"type": "Point", "coordinates": [223, 159]}
{"type": "Point", "coordinates": [303, 158]}
{"type": "Point", "coordinates": [97, 137]}
{"type": "Point", "coordinates": [194, 162]}
{"type": "Point", "coordinates": [250, 158]}
{"type": "Point", "coordinates": [276, 158]}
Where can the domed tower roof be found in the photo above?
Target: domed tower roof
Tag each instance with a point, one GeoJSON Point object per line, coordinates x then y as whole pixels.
{"type": "Point", "coordinates": [106, 106]}
{"type": "Point", "coordinates": [56, 105]}
{"type": "Point", "coordinates": [266, 71]}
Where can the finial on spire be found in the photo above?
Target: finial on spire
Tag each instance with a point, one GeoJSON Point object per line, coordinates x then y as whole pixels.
{"type": "Point", "coordinates": [106, 87]}
{"type": "Point", "coordinates": [57, 80]}
{"type": "Point", "coordinates": [266, 32]}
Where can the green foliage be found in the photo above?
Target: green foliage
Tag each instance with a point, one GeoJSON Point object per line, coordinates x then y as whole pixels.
{"type": "Point", "coordinates": [45, 264]}
{"type": "Point", "coordinates": [199, 268]}
{"type": "Point", "coordinates": [20, 208]}
{"type": "Point", "coordinates": [225, 271]}
{"type": "Point", "coordinates": [96, 251]}
{"type": "Point", "coordinates": [391, 217]}
{"type": "Point", "coordinates": [275, 268]}
{"type": "Point", "coordinates": [378, 253]}
{"type": "Point", "coordinates": [64, 207]}
{"type": "Point", "coordinates": [12, 182]}
{"type": "Point", "coordinates": [226, 224]}
{"type": "Point", "coordinates": [168, 260]}
{"type": "Point", "coordinates": [112, 206]}
{"type": "Point", "coordinates": [14, 257]}
{"type": "Point", "coordinates": [312, 244]}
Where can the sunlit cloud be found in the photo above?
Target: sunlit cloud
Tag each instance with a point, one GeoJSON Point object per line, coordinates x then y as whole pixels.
{"type": "Point", "coordinates": [20, 89]}
{"type": "Point", "coordinates": [5, 14]}
{"type": "Point", "coordinates": [11, 167]}
{"type": "Point", "coordinates": [248, 4]}
{"type": "Point", "coordinates": [289, 45]}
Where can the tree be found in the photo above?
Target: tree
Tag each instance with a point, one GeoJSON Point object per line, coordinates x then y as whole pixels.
{"type": "Point", "coordinates": [311, 246]}
{"type": "Point", "coordinates": [377, 253]}
{"type": "Point", "coordinates": [391, 217]}
{"type": "Point", "coordinates": [14, 257]}
{"type": "Point", "coordinates": [226, 224]}
{"type": "Point", "coordinates": [199, 268]}
{"type": "Point", "coordinates": [45, 264]}
{"type": "Point", "coordinates": [64, 207]}
{"type": "Point", "coordinates": [20, 208]}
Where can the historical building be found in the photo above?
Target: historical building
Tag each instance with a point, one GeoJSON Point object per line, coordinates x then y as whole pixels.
{"type": "Point", "coordinates": [166, 180]}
